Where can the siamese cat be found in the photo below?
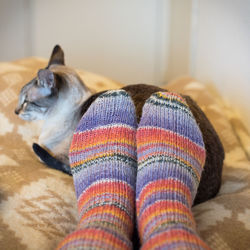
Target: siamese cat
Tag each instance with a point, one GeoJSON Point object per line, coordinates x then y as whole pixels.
{"type": "Point", "coordinates": [59, 97]}
{"type": "Point", "coordinates": [55, 96]}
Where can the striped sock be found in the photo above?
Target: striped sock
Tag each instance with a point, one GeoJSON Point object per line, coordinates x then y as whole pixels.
{"type": "Point", "coordinates": [103, 162]}
{"type": "Point", "coordinates": [171, 156]}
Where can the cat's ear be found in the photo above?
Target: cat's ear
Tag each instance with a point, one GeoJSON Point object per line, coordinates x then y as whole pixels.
{"type": "Point", "coordinates": [57, 56]}
{"type": "Point", "coordinates": [46, 79]}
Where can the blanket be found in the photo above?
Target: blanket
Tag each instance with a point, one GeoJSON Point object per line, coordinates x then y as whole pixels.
{"type": "Point", "coordinates": [38, 204]}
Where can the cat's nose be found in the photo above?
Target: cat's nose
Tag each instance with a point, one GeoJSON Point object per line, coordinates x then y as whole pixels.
{"type": "Point", "coordinates": [17, 111]}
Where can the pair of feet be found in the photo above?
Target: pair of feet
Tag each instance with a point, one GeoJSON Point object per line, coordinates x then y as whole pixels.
{"type": "Point", "coordinates": [153, 168]}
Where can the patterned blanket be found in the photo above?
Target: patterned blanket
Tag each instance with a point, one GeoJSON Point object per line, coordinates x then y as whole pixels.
{"type": "Point", "coordinates": [38, 206]}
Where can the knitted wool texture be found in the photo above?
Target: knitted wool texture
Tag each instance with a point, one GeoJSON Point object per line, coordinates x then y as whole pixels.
{"type": "Point", "coordinates": [103, 162]}
{"type": "Point", "coordinates": [171, 156]}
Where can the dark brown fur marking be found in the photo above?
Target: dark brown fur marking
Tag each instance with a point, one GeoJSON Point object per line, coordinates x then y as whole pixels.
{"type": "Point", "coordinates": [211, 176]}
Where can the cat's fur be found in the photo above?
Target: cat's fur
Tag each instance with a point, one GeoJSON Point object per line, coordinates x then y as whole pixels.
{"type": "Point", "coordinates": [66, 99]}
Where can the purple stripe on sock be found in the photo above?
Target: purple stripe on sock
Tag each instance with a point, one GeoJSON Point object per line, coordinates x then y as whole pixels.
{"type": "Point", "coordinates": [163, 171]}
{"type": "Point", "coordinates": [164, 195]}
{"type": "Point", "coordinates": [173, 122]}
{"type": "Point", "coordinates": [85, 178]}
{"type": "Point", "coordinates": [107, 116]}
{"type": "Point", "coordinates": [170, 150]}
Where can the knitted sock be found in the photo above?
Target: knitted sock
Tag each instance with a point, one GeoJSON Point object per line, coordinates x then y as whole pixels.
{"type": "Point", "coordinates": [103, 163]}
{"type": "Point", "coordinates": [171, 156]}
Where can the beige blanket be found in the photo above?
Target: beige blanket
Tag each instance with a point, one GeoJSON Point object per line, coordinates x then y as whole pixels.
{"type": "Point", "coordinates": [38, 205]}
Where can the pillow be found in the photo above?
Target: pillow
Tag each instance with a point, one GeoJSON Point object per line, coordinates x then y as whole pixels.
{"type": "Point", "coordinates": [240, 130]}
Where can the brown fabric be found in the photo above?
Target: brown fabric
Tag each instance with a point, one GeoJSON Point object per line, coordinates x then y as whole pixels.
{"type": "Point", "coordinates": [38, 205]}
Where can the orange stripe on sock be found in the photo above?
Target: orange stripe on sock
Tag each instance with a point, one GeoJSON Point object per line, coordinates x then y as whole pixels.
{"type": "Point", "coordinates": [163, 185]}
{"type": "Point", "coordinates": [163, 207]}
{"type": "Point", "coordinates": [172, 236]}
{"type": "Point", "coordinates": [152, 135]}
{"type": "Point", "coordinates": [91, 138]}
{"type": "Point", "coordinates": [107, 209]}
{"type": "Point", "coordinates": [95, 234]}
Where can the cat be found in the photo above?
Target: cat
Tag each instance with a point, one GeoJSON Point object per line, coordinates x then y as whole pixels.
{"type": "Point", "coordinates": [55, 96]}
{"type": "Point", "coordinates": [59, 97]}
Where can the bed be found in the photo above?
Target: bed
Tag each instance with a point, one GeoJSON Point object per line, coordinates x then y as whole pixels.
{"type": "Point", "coordinates": [38, 204]}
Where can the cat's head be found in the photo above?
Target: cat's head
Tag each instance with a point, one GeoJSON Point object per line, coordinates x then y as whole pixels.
{"type": "Point", "coordinates": [37, 96]}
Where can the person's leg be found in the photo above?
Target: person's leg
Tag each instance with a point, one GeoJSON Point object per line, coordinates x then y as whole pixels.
{"type": "Point", "coordinates": [171, 156]}
{"type": "Point", "coordinates": [103, 163]}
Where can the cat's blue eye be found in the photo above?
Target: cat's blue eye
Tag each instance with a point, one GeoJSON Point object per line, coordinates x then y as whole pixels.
{"type": "Point", "coordinates": [35, 104]}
